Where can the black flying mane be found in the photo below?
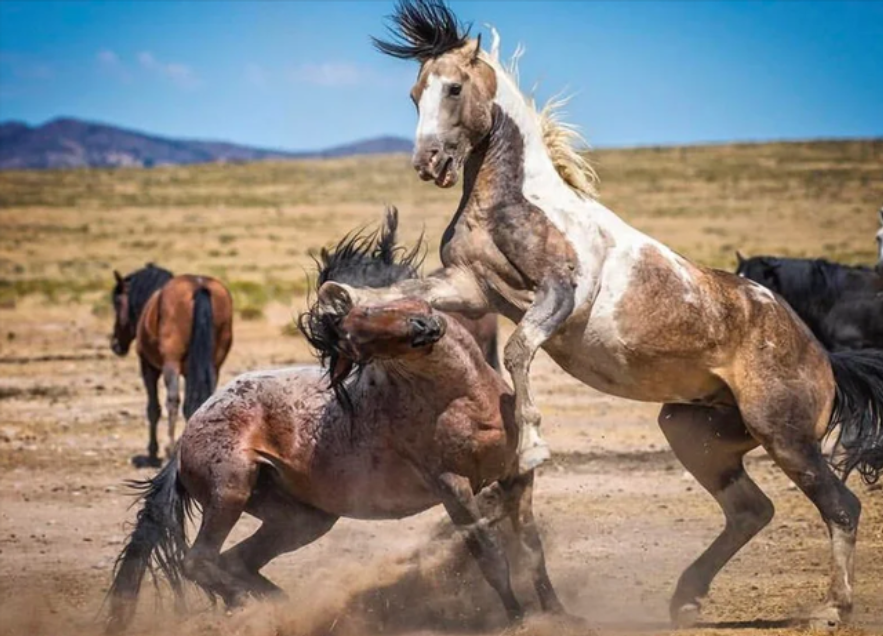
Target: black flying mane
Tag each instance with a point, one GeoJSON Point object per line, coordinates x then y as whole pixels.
{"type": "Point", "coordinates": [361, 260]}
{"type": "Point", "coordinates": [422, 30]}
{"type": "Point", "coordinates": [142, 283]}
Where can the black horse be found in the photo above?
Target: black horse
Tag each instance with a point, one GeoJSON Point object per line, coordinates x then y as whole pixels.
{"type": "Point", "coordinates": [841, 304]}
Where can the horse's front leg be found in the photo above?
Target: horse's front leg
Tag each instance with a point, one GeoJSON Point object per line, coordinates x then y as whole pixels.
{"type": "Point", "coordinates": [481, 538]}
{"type": "Point", "coordinates": [553, 303]}
{"type": "Point", "coordinates": [450, 289]}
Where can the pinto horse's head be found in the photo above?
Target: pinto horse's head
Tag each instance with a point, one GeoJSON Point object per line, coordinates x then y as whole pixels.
{"type": "Point", "coordinates": [454, 92]}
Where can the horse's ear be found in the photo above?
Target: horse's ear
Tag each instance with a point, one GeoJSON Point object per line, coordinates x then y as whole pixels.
{"type": "Point", "coordinates": [117, 276]}
{"type": "Point", "coordinates": [342, 367]}
{"type": "Point", "coordinates": [741, 259]}
{"type": "Point", "coordinates": [477, 50]}
{"type": "Point", "coordinates": [880, 214]}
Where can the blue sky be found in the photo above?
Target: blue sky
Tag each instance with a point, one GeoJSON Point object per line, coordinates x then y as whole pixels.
{"type": "Point", "coordinates": [303, 75]}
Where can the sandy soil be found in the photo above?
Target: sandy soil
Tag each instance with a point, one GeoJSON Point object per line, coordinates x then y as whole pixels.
{"type": "Point", "coordinates": [620, 517]}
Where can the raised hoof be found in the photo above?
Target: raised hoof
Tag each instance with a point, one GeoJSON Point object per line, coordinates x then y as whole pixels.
{"type": "Point", "coordinates": [826, 618]}
{"type": "Point", "coordinates": [533, 456]}
{"type": "Point", "coordinates": [146, 461]}
{"type": "Point", "coordinates": [686, 615]}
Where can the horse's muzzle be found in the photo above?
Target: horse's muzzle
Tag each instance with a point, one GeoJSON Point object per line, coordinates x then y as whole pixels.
{"type": "Point", "coordinates": [426, 330]}
{"type": "Point", "coordinates": [118, 348]}
{"type": "Point", "coordinates": [433, 163]}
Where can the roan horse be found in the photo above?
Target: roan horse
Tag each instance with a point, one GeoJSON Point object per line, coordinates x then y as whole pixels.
{"type": "Point", "coordinates": [841, 304]}
{"type": "Point", "coordinates": [417, 418]}
{"type": "Point", "coordinates": [622, 312]}
{"type": "Point", "coordinates": [183, 325]}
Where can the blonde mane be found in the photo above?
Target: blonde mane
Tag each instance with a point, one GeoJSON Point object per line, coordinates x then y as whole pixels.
{"type": "Point", "coordinates": [561, 139]}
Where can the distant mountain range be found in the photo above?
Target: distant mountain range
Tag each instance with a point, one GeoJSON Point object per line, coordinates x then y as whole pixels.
{"type": "Point", "coordinates": [72, 143]}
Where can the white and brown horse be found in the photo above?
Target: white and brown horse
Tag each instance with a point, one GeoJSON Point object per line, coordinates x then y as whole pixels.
{"type": "Point", "coordinates": [621, 312]}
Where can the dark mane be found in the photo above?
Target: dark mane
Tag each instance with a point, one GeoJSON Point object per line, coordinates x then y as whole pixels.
{"type": "Point", "coordinates": [422, 30]}
{"type": "Point", "coordinates": [362, 260]}
{"type": "Point", "coordinates": [142, 284]}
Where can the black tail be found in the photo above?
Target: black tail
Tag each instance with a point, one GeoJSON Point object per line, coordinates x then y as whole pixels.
{"type": "Point", "coordinates": [201, 378]}
{"type": "Point", "coordinates": [858, 409]}
{"type": "Point", "coordinates": [158, 542]}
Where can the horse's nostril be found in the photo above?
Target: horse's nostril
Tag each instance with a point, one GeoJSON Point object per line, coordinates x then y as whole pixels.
{"type": "Point", "coordinates": [420, 325]}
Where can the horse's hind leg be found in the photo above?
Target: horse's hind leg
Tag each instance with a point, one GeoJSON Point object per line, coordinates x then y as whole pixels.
{"type": "Point", "coordinates": [287, 526]}
{"type": "Point", "coordinates": [786, 423]}
{"type": "Point", "coordinates": [481, 539]}
{"type": "Point", "coordinates": [173, 399]}
{"type": "Point", "coordinates": [711, 444]}
{"type": "Point", "coordinates": [231, 486]}
{"type": "Point", "coordinates": [518, 493]}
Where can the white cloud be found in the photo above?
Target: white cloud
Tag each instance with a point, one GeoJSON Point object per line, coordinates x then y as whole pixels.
{"type": "Point", "coordinates": [110, 63]}
{"type": "Point", "coordinates": [181, 75]}
{"type": "Point", "coordinates": [25, 68]}
{"type": "Point", "coordinates": [331, 74]}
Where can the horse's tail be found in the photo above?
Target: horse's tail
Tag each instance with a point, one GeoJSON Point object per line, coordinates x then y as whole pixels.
{"type": "Point", "coordinates": [158, 542]}
{"type": "Point", "coordinates": [858, 410]}
{"type": "Point", "coordinates": [201, 377]}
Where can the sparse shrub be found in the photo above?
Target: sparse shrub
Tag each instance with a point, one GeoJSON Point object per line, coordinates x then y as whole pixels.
{"type": "Point", "coordinates": [251, 313]}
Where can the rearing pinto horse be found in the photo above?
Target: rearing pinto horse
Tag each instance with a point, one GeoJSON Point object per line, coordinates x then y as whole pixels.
{"type": "Point", "coordinates": [183, 326]}
{"type": "Point", "coordinates": [621, 312]}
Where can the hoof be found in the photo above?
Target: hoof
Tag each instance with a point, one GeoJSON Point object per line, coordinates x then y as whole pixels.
{"type": "Point", "coordinates": [826, 618]}
{"type": "Point", "coordinates": [533, 456]}
{"type": "Point", "coordinates": [686, 615]}
{"type": "Point", "coordinates": [146, 461]}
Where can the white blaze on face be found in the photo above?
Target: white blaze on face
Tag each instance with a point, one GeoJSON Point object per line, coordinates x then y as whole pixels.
{"type": "Point", "coordinates": [880, 245]}
{"type": "Point", "coordinates": [429, 107]}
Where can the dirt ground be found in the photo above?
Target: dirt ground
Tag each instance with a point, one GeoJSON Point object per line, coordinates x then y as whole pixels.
{"type": "Point", "coordinates": [619, 516]}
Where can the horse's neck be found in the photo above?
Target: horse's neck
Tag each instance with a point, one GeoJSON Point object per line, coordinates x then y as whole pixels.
{"type": "Point", "coordinates": [513, 163]}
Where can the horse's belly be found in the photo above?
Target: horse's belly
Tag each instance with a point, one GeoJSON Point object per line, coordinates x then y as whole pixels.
{"type": "Point", "coordinates": [374, 484]}
{"type": "Point", "coordinates": [596, 356]}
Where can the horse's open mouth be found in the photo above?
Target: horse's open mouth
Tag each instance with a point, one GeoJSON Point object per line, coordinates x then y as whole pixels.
{"type": "Point", "coordinates": [447, 176]}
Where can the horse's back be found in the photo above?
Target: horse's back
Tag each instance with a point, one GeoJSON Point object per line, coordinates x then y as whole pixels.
{"type": "Point", "coordinates": [258, 416]}
{"type": "Point", "coordinates": [663, 329]}
{"type": "Point", "coordinates": [166, 324]}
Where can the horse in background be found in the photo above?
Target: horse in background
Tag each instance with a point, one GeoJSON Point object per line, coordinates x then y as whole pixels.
{"type": "Point", "coordinates": [183, 325]}
{"type": "Point", "coordinates": [377, 260]}
{"type": "Point", "coordinates": [839, 303]}
{"type": "Point", "coordinates": [405, 415]}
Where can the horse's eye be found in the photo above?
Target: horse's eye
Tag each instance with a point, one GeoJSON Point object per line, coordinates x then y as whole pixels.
{"type": "Point", "coordinates": [455, 89]}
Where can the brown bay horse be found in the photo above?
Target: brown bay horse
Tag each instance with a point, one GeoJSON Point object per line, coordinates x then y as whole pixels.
{"type": "Point", "coordinates": [182, 325]}
{"type": "Point", "coordinates": [620, 311]}
{"type": "Point", "coordinates": [414, 417]}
